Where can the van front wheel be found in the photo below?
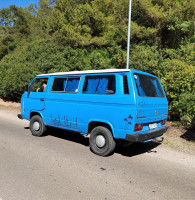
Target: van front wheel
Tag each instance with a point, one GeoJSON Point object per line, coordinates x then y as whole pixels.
{"type": "Point", "coordinates": [101, 141]}
{"type": "Point", "coordinates": [37, 126]}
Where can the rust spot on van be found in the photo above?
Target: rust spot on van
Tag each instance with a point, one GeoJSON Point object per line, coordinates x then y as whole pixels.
{"type": "Point", "coordinates": [130, 117]}
{"type": "Point", "coordinates": [127, 121]}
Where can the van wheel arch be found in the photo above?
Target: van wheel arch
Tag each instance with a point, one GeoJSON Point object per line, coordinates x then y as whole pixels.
{"type": "Point", "coordinates": [94, 124]}
{"type": "Point", "coordinates": [32, 114]}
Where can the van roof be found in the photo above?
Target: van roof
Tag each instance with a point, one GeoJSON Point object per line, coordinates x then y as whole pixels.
{"type": "Point", "coordinates": [86, 72]}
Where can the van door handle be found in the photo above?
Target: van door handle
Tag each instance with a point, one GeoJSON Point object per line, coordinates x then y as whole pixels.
{"type": "Point", "coordinates": [42, 99]}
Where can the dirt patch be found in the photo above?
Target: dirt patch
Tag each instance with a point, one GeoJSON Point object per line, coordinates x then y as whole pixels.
{"type": "Point", "coordinates": [9, 104]}
{"type": "Point", "coordinates": [180, 138]}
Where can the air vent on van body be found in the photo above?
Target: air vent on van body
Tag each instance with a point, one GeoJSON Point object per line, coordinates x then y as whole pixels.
{"type": "Point", "coordinates": [125, 85]}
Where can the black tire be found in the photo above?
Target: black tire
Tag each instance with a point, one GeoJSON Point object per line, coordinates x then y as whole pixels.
{"type": "Point", "coordinates": [37, 126]}
{"type": "Point", "coordinates": [106, 135]}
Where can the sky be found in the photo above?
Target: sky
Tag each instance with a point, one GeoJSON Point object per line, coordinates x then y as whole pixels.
{"type": "Point", "coordinates": [19, 3]}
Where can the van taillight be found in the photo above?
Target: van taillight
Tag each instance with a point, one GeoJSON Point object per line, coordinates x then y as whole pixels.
{"type": "Point", "coordinates": [163, 122]}
{"type": "Point", "coordinates": [138, 127]}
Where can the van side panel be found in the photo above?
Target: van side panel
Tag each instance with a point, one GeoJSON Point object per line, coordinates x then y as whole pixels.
{"type": "Point", "coordinates": [74, 111]}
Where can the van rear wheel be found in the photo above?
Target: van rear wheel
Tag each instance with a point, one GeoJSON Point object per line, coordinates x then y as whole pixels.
{"type": "Point", "coordinates": [37, 126]}
{"type": "Point", "coordinates": [101, 141]}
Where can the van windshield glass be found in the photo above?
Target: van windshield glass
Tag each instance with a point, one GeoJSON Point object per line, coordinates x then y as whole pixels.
{"type": "Point", "coordinates": [39, 85]}
{"type": "Point", "coordinates": [148, 86]}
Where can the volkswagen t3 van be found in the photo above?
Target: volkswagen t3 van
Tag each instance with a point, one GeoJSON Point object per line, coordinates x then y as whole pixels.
{"type": "Point", "coordinates": [107, 105]}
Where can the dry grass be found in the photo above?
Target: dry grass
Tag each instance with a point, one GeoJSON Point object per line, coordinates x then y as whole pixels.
{"type": "Point", "coordinates": [9, 104]}
{"type": "Point", "coordinates": [180, 138]}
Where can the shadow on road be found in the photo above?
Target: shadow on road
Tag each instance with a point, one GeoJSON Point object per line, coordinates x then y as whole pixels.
{"type": "Point", "coordinates": [26, 128]}
{"type": "Point", "coordinates": [137, 149]}
{"type": "Point", "coordinates": [189, 135]}
{"type": "Point", "coordinates": [132, 150]}
{"type": "Point", "coordinates": [68, 135]}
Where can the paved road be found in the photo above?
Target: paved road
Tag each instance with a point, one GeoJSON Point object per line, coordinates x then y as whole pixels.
{"type": "Point", "coordinates": [61, 166]}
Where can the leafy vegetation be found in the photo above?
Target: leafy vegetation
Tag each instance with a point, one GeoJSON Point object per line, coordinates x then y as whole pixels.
{"type": "Point", "coordinates": [67, 35]}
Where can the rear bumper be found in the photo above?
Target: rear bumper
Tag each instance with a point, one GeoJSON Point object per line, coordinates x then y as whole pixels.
{"type": "Point", "coordinates": [20, 116]}
{"type": "Point", "coordinates": [146, 136]}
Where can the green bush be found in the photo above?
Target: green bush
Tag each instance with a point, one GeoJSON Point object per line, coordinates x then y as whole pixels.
{"type": "Point", "coordinates": [69, 35]}
{"type": "Point", "coordinates": [185, 107]}
{"type": "Point", "coordinates": [44, 56]}
{"type": "Point", "coordinates": [147, 58]}
{"type": "Point", "coordinates": [180, 89]}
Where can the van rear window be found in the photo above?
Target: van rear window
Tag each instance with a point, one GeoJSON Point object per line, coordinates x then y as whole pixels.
{"type": "Point", "coordinates": [148, 86]}
{"type": "Point", "coordinates": [99, 84]}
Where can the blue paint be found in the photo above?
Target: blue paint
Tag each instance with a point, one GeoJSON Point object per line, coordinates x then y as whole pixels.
{"type": "Point", "coordinates": [91, 103]}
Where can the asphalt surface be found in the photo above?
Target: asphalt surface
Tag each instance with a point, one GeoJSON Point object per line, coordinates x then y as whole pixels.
{"type": "Point", "coordinates": [61, 166]}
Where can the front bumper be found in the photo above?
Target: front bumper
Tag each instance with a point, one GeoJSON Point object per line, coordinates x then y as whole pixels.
{"type": "Point", "coordinates": [20, 116]}
{"type": "Point", "coordinates": [146, 136]}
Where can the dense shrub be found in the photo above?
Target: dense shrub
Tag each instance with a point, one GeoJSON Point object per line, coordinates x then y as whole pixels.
{"type": "Point", "coordinates": [180, 89]}
{"type": "Point", "coordinates": [69, 35]}
{"type": "Point", "coordinates": [44, 56]}
{"type": "Point", "coordinates": [186, 109]}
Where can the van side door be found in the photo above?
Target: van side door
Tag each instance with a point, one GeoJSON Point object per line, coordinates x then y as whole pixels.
{"type": "Point", "coordinates": [61, 102]}
{"type": "Point", "coordinates": [34, 101]}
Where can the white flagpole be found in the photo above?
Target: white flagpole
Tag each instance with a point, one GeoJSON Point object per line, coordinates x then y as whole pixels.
{"type": "Point", "coordinates": [129, 33]}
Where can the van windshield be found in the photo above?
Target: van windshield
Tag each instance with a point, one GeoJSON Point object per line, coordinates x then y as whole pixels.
{"type": "Point", "coordinates": [148, 86]}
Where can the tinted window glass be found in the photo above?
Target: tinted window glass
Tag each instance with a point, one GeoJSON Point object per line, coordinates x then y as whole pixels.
{"type": "Point", "coordinates": [99, 84]}
{"type": "Point", "coordinates": [125, 85]}
{"type": "Point", "coordinates": [39, 85]}
{"type": "Point", "coordinates": [148, 86]}
{"type": "Point", "coordinates": [65, 85]}
{"type": "Point", "coordinates": [59, 84]}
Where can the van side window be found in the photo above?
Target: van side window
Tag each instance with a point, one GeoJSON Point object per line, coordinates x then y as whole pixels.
{"type": "Point", "coordinates": [38, 85]}
{"type": "Point", "coordinates": [70, 84]}
{"type": "Point", "coordinates": [99, 84]}
{"type": "Point", "coordinates": [125, 85]}
{"type": "Point", "coordinates": [59, 84]}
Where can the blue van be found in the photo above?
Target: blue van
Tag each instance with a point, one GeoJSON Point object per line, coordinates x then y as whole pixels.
{"type": "Point", "coordinates": [106, 105]}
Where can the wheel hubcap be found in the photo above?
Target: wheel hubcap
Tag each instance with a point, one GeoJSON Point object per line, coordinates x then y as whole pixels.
{"type": "Point", "coordinates": [36, 126]}
{"type": "Point", "coordinates": [100, 141]}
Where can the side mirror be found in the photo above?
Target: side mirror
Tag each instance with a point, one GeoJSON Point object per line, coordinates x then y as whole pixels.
{"type": "Point", "coordinates": [25, 89]}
